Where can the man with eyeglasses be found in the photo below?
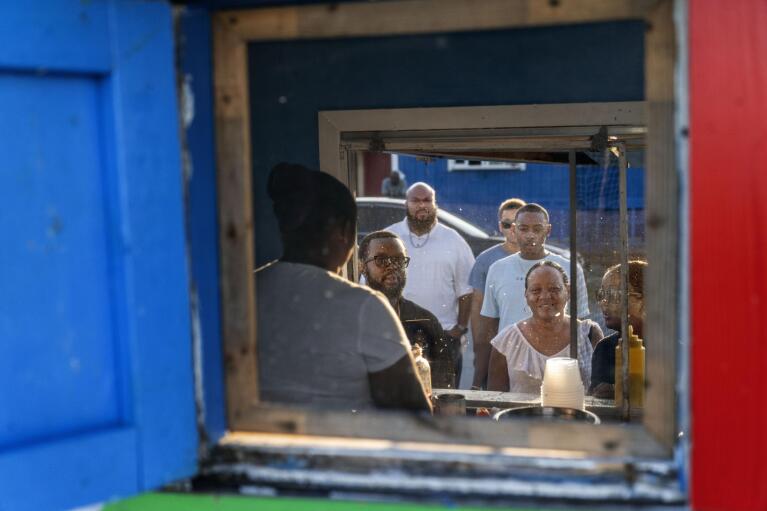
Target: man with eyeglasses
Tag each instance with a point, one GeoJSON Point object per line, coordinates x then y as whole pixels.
{"type": "Point", "coordinates": [609, 298]}
{"type": "Point", "coordinates": [504, 300]}
{"type": "Point", "coordinates": [382, 261]}
{"type": "Point", "coordinates": [441, 260]}
{"type": "Point", "coordinates": [506, 213]}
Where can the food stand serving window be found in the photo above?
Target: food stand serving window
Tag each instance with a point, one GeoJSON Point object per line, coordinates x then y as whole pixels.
{"type": "Point", "coordinates": [633, 460]}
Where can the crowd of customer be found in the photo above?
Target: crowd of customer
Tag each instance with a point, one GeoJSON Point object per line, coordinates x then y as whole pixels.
{"type": "Point", "coordinates": [328, 342]}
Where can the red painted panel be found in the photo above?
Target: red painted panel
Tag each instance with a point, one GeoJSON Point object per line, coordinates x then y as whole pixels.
{"type": "Point", "coordinates": [728, 129]}
{"type": "Point", "coordinates": [377, 168]}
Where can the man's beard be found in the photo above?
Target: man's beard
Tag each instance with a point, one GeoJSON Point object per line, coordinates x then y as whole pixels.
{"type": "Point", "coordinates": [422, 225]}
{"type": "Point", "coordinates": [391, 292]}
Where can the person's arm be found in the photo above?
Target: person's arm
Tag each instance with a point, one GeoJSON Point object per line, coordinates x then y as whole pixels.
{"type": "Point", "coordinates": [385, 349]}
{"type": "Point", "coordinates": [487, 328]}
{"type": "Point", "coordinates": [498, 375]}
{"type": "Point", "coordinates": [602, 370]}
{"type": "Point", "coordinates": [477, 278]}
{"type": "Point", "coordinates": [398, 386]}
{"type": "Point", "coordinates": [464, 311]}
{"type": "Point", "coordinates": [461, 287]}
{"type": "Point", "coordinates": [604, 391]}
{"type": "Point", "coordinates": [583, 295]}
{"type": "Point", "coordinates": [476, 306]}
{"type": "Point", "coordinates": [385, 186]}
{"type": "Point", "coordinates": [595, 335]}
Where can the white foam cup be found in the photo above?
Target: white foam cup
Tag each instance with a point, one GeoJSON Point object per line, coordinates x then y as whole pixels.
{"type": "Point", "coordinates": [562, 385]}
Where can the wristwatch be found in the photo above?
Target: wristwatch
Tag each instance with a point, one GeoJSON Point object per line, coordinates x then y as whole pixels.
{"type": "Point", "coordinates": [463, 328]}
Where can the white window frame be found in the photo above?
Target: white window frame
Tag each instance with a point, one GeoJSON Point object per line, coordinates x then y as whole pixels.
{"type": "Point", "coordinates": [454, 165]}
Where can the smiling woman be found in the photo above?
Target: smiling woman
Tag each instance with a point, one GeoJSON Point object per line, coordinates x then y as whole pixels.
{"type": "Point", "coordinates": [520, 350]}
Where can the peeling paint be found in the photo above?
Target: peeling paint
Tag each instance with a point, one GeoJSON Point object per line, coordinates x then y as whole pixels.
{"type": "Point", "coordinates": [199, 386]}
{"type": "Point", "coordinates": [187, 101]}
{"type": "Point", "coordinates": [401, 481]}
{"type": "Point", "coordinates": [91, 507]}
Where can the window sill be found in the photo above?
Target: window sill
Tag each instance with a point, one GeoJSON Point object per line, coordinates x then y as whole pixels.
{"type": "Point", "coordinates": [289, 464]}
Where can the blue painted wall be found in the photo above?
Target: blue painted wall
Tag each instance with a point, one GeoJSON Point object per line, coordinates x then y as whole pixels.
{"type": "Point", "coordinates": [96, 366]}
{"type": "Point", "coordinates": [195, 54]}
{"type": "Point", "coordinates": [475, 195]}
{"type": "Point", "coordinates": [292, 81]}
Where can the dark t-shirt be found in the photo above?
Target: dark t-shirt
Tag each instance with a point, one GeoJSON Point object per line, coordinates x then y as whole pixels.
{"type": "Point", "coordinates": [603, 361]}
{"type": "Point", "coordinates": [422, 327]}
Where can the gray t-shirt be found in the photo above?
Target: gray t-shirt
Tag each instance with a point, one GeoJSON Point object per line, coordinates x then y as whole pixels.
{"type": "Point", "coordinates": [478, 275]}
{"type": "Point", "coordinates": [320, 335]}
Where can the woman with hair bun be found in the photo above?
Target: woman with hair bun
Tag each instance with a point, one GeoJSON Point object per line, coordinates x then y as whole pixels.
{"type": "Point", "coordinates": [322, 340]}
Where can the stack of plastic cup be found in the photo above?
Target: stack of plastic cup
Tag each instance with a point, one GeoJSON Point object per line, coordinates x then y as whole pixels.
{"type": "Point", "coordinates": [562, 385]}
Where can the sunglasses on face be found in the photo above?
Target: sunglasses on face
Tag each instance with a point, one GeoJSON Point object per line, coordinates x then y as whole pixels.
{"type": "Point", "coordinates": [612, 295]}
{"type": "Point", "coordinates": [506, 224]}
{"type": "Point", "coordinates": [386, 261]}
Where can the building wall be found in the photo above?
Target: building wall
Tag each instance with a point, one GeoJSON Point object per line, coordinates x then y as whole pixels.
{"type": "Point", "coordinates": [292, 81]}
{"type": "Point", "coordinates": [728, 194]}
{"type": "Point", "coordinates": [475, 195]}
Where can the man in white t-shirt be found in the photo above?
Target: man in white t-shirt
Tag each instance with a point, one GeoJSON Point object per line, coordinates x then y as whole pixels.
{"type": "Point", "coordinates": [504, 301]}
{"type": "Point", "coordinates": [440, 263]}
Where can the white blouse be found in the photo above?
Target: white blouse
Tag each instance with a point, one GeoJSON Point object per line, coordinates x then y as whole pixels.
{"type": "Point", "coordinates": [526, 364]}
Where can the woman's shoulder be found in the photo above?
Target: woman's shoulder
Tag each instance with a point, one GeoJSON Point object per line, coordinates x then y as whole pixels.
{"type": "Point", "coordinates": [510, 337]}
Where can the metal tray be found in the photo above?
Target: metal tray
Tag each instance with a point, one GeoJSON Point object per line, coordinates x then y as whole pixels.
{"type": "Point", "coordinates": [548, 413]}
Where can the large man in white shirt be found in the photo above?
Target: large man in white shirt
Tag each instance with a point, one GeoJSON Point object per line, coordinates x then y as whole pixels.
{"type": "Point", "coordinates": [440, 262]}
{"type": "Point", "coordinates": [504, 301]}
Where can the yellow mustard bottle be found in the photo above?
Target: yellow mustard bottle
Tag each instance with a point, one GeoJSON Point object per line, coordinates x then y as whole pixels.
{"type": "Point", "coordinates": [636, 371]}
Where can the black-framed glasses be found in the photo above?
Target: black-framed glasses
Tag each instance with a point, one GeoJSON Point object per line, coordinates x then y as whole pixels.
{"type": "Point", "coordinates": [506, 225]}
{"type": "Point", "coordinates": [385, 261]}
{"type": "Point", "coordinates": [612, 295]}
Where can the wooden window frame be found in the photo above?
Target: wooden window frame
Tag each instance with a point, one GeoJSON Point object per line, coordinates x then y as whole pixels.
{"type": "Point", "coordinates": [233, 30]}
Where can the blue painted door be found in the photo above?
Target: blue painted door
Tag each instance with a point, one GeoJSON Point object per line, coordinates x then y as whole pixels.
{"type": "Point", "coordinates": [96, 386]}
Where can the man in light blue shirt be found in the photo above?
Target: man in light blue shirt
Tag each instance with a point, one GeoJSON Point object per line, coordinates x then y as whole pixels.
{"type": "Point", "coordinates": [504, 299]}
{"type": "Point", "coordinates": [506, 213]}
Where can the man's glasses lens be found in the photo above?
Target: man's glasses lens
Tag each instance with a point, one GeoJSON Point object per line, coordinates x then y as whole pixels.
{"type": "Point", "coordinates": [384, 261]}
{"type": "Point", "coordinates": [506, 225]}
